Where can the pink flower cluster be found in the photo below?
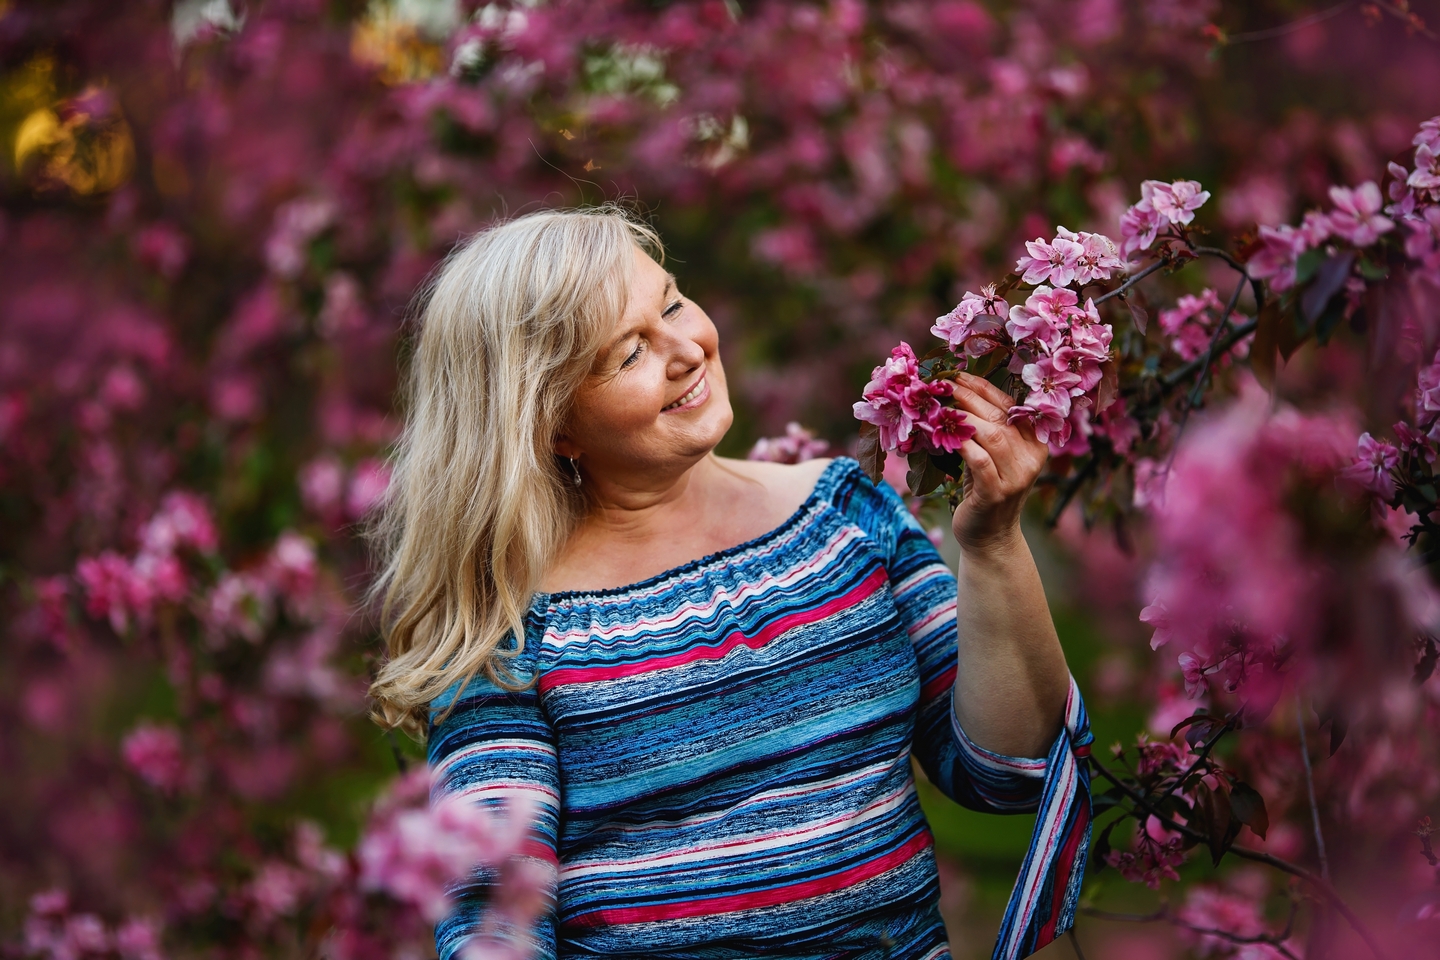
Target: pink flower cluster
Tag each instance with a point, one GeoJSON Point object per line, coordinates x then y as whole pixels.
{"type": "Point", "coordinates": [1234, 592]}
{"type": "Point", "coordinates": [907, 409]}
{"type": "Point", "coordinates": [1190, 325]}
{"type": "Point", "coordinates": [1071, 257]}
{"type": "Point", "coordinates": [126, 591]}
{"type": "Point", "coordinates": [1161, 205]}
{"type": "Point", "coordinates": [155, 754]}
{"type": "Point", "coordinates": [1237, 913]}
{"type": "Point", "coordinates": [796, 446]}
{"type": "Point", "coordinates": [1060, 352]}
{"type": "Point", "coordinates": [1154, 854]}
{"type": "Point", "coordinates": [414, 853]}
{"type": "Point", "coordinates": [53, 932]}
{"type": "Point", "coordinates": [1357, 219]}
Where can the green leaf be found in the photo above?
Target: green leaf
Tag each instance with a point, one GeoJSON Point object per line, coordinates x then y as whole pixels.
{"type": "Point", "coordinates": [1306, 266]}
{"type": "Point", "coordinates": [1249, 808]}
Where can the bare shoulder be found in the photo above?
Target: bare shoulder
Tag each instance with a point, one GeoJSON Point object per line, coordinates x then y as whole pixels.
{"type": "Point", "coordinates": [787, 485]}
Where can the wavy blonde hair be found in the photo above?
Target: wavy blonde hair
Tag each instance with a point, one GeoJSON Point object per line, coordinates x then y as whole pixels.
{"type": "Point", "coordinates": [479, 503]}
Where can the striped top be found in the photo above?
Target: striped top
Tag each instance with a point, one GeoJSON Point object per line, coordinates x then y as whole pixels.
{"type": "Point", "coordinates": [720, 754]}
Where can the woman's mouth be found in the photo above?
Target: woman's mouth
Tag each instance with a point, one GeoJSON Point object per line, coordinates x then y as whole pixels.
{"type": "Point", "coordinates": [693, 398]}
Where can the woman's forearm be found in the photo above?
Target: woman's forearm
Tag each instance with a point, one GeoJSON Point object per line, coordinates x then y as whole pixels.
{"type": "Point", "coordinates": [1012, 679]}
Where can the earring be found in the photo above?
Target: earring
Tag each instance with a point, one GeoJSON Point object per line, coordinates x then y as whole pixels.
{"type": "Point", "coordinates": [574, 469]}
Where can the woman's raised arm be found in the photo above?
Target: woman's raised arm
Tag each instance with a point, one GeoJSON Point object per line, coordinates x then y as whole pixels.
{"type": "Point", "coordinates": [1012, 679]}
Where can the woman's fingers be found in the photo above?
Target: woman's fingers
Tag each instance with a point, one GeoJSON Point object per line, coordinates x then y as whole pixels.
{"type": "Point", "coordinates": [981, 466]}
{"type": "Point", "coordinates": [978, 405]}
{"type": "Point", "coordinates": [984, 388]}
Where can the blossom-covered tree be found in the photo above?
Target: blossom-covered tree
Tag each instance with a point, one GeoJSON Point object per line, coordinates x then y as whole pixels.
{"type": "Point", "coordinates": [213, 216]}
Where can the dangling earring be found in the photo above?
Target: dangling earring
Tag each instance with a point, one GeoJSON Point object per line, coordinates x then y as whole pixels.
{"type": "Point", "coordinates": [575, 470]}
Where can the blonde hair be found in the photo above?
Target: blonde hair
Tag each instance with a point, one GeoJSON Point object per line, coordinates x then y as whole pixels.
{"type": "Point", "coordinates": [479, 503]}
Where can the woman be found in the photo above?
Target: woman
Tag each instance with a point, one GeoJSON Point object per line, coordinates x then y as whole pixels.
{"type": "Point", "coordinates": [709, 675]}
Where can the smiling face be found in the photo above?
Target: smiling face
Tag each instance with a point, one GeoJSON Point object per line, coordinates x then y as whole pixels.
{"type": "Point", "coordinates": [655, 400]}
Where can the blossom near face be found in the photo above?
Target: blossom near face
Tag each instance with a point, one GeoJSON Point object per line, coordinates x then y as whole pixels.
{"type": "Point", "coordinates": [656, 396]}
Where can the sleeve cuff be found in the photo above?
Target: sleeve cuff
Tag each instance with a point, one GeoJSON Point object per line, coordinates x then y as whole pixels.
{"type": "Point", "coordinates": [1010, 784]}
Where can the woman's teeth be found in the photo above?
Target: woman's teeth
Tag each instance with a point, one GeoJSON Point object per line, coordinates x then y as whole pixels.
{"type": "Point", "coordinates": [695, 391]}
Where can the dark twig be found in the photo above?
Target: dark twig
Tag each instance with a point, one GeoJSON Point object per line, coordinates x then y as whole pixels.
{"type": "Point", "coordinates": [1075, 945]}
{"type": "Point", "coordinates": [1204, 753]}
{"type": "Point", "coordinates": [1072, 487]}
{"type": "Point", "coordinates": [1178, 376]}
{"type": "Point", "coordinates": [1209, 354]}
{"type": "Point", "coordinates": [1310, 790]}
{"type": "Point", "coordinates": [1320, 884]}
{"type": "Point", "coordinates": [1276, 940]}
{"type": "Point", "coordinates": [1271, 33]}
{"type": "Point", "coordinates": [1221, 254]}
{"type": "Point", "coordinates": [1157, 265]}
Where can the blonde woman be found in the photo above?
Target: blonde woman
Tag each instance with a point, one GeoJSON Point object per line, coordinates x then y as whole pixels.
{"type": "Point", "coordinates": [710, 675]}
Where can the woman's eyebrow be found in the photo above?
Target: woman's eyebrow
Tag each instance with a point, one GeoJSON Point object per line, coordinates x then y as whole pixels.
{"type": "Point", "coordinates": [669, 285]}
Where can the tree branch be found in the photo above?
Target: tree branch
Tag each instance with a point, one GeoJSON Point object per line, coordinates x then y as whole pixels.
{"type": "Point", "coordinates": [1204, 752]}
{"type": "Point", "coordinates": [1158, 264]}
{"type": "Point", "coordinates": [1310, 790]}
{"type": "Point", "coordinates": [1276, 940]}
{"type": "Point", "coordinates": [1319, 883]}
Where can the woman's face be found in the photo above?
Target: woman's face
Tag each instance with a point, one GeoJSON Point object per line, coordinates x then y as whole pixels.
{"type": "Point", "coordinates": [656, 396]}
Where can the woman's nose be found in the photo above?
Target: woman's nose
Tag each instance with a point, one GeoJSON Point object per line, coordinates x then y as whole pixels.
{"type": "Point", "coordinates": [685, 355]}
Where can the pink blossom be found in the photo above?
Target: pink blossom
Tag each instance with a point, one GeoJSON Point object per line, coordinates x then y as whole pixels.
{"type": "Point", "coordinates": [413, 854]}
{"type": "Point", "coordinates": [1049, 424]}
{"type": "Point", "coordinates": [1155, 853]}
{"type": "Point", "coordinates": [291, 566]}
{"type": "Point", "coordinates": [1237, 914]}
{"type": "Point", "coordinates": [946, 430]}
{"type": "Point", "coordinates": [1412, 442]}
{"type": "Point", "coordinates": [368, 484]}
{"type": "Point", "coordinates": [322, 485]}
{"type": "Point", "coordinates": [974, 327]}
{"type": "Point", "coordinates": [1138, 228]}
{"type": "Point", "coordinates": [1074, 437]}
{"type": "Point", "coordinates": [275, 890]}
{"type": "Point", "coordinates": [182, 521]}
{"type": "Point", "coordinates": [796, 446]}
{"type": "Point", "coordinates": [1055, 262]}
{"type": "Point", "coordinates": [1357, 216]}
{"type": "Point", "coordinates": [1425, 178]}
{"type": "Point", "coordinates": [1275, 260]}
{"type": "Point", "coordinates": [153, 751]}
{"type": "Point", "coordinates": [1428, 135]}
{"type": "Point", "coordinates": [1165, 757]}
{"type": "Point", "coordinates": [1402, 198]}
{"type": "Point", "coordinates": [1118, 427]}
{"type": "Point", "coordinates": [240, 605]}
{"type": "Point", "coordinates": [1157, 617]}
{"type": "Point", "coordinates": [882, 406]}
{"type": "Point", "coordinates": [296, 224]}
{"type": "Point", "coordinates": [138, 938]}
{"type": "Point", "coordinates": [1372, 468]}
{"type": "Point", "coordinates": [106, 581]}
{"type": "Point", "coordinates": [1178, 201]}
{"type": "Point", "coordinates": [1428, 393]}
{"type": "Point", "coordinates": [1099, 259]}
{"type": "Point", "coordinates": [1042, 317]}
{"type": "Point", "coordinates": [1050, 386]}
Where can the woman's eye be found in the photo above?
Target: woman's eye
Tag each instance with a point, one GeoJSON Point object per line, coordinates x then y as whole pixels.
{"type": "Point", "coordinates": [630, 360]}
{"type": "Point", "coordinates": [673, 309]}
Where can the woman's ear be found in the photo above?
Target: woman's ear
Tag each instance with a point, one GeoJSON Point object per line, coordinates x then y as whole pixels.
{"type": "Point", "coordinates": [565, 447]}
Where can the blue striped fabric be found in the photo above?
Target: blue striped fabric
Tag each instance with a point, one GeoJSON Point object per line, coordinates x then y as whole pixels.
{"type": "Point", "coordinates": [721, 754]}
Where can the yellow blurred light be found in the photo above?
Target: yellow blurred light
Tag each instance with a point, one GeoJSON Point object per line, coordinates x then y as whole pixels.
{"type": "Point", "coordinates": [38, 131]}
{"type": "Point", "coordinates": [83, 153]}
{"type": "Point", "coordinates": [395, 48]}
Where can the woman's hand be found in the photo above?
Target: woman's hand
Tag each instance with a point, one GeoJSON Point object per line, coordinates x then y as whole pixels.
{"type": "Point", "coordinates": [1002, 461]}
